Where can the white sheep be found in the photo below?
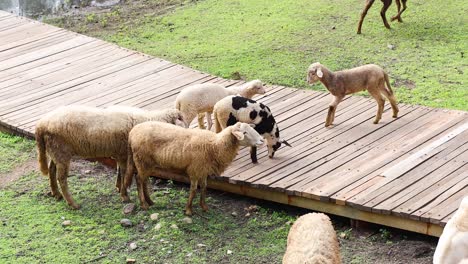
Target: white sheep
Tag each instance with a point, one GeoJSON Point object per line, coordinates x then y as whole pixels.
{"type": "Point", "coordinates": [201, 98]}
{"type": "Point", "coordinates": [233, 109]}
{"type": "Point", "coordinates": [453, 243]}
{"type": "Point", "coordinates": [312, 239]}
{"type": "Point", "coordinates": [90, 133]}
{"type": "Point", "coordinates": [157, 148]}
{"type": "Point", "coordinates": [368, 77]}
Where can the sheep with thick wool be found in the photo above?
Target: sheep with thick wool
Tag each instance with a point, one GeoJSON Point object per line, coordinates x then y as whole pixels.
{"type": "Point", "coordinates": [89, 132]}
{"type": "Point", "coordinates": [368, 77]}
{"type": "Point", "coordinates": [233, 109]}
{"type": "Point", "coordinates": [157, 148]}
{"type": "Point", "coordinates": [312, 239]}
{"type": "Point", "coordinates": [200, 99]}
{"type": "Point", "coordinates": [453, 243]}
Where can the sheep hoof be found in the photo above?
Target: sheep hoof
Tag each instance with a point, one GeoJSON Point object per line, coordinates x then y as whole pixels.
{"type": "Point", "coordinates": [144, 206]}
{"type": "Point", "coordinates": [58, 196]}
{"type": "Point", "coordinates": [204, 207]}
{"type": "Point", "coordinates": [376, 121]}
{"type": "Point", "coordinates": [125, 199]}
{"type": "Point", "coordinates": [395, 116]}
{"type": "Point", "coordinates": [188, 211]}
{"type": "Point", "coordinates": [75, 206]}
{"type": "Point", "coordinates": [150, 202]}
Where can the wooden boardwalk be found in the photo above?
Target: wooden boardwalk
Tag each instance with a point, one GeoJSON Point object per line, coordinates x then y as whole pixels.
{"type": "Point", "coordinates": [409, 173]}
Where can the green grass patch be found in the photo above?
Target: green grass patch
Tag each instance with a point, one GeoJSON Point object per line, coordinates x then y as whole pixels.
{"type": "Point", "coordinates": [275, 41]}
{"type": "Point", "coordinates": [13, 151]}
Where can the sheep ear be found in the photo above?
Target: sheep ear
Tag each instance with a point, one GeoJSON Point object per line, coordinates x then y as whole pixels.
{"type": "Point", "coordinates": [238, 134]}
{"type": "Point", "coordinates": [319, 73]}
{"type": "Point", "coordinates": [286, 143]}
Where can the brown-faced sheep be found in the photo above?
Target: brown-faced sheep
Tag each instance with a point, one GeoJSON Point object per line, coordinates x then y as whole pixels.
{"type": "Point", "coordinates": [386, 5]}
{"type": "Point", "coordinates": [156, 147]}
{"type": "Point", "coordinates": [201, 98]}
{"type": "Point", "coordinates": [368, 77]}
{"type": "Point", "coordinates": [233, 109]}
{"type": "Point", "coordinates": [453, 243]}
{"type": "Point", "coordinates": [312, 239]}
{"type": "Point", "coordinates": [88, 132]}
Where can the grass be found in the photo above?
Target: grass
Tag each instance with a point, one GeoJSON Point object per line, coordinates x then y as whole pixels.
{"type": "Point", "coordinates": [14, 150]}
{"type": "Point", "coordinates": [275, 41]}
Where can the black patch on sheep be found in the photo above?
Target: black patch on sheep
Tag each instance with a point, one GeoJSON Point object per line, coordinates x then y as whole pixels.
{"type": "Point", "coordinates": [262, 106]}
{"type": "Point", "coordinates": [266, 124]}
{"type": "Point", "coordinates": [239, 102]}
{"type": "Point", "coordinates": [253, 154]}
{"type": "Point", "coordinates": [276, 146]}
{"type": "Point", "coordinates": [253, 114]}
{"type": "Point", "coordinates": [277, 132]}
{"type": "Point", "coordinates": [232, 120]}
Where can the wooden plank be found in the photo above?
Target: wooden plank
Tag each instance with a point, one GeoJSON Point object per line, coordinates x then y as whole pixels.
{"type": "Point", "coordinates": [448, 206]}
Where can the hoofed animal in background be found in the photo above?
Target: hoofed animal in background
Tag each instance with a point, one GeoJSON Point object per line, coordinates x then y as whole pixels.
{"type": "Point", "coordinates": [368, 77]}
{"type": "Point", "coordinates": [89, 132]}
{"type": "Point", "coordinates": [453, 243]}
{"type": "Point", "coordinates": [156, 148]}
{"type": "Point", "coordinates": [201, 98]}
{"type": "Point", "coordinates": [233, 109]}
{"type": "Point", "coordinates": [312, 239]}
{"type": "Point", "coordinates": [386, 5]}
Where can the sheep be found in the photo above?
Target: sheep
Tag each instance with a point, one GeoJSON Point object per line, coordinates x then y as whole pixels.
{"type": "Point", "coordinates": [386, 5]}
{"type": "Point", "coordinates": [453, 243]}
{"type": "Point", "coordinates": [201, 98]}
{"type": "Point", "coordinates": [158, 148]}
{"type": "Point", "coordinates": [232, 109]}
{"type": "Point", "coordinates": [312, 239]}
{"type": "Point", "coordinates": [368, 77]}
{"type": "Point", "coordinates": [90, 133]}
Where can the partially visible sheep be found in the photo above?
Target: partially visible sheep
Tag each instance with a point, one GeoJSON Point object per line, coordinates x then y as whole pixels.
{"type": "Point", "coordinates": [201, 98]}
{"type": "Point", "coordinates": [156, 148]}
{"type": "Point", "coordinates": [312, 239]}
{"type": "Point", "coordinates": [233, 109]}
{"type": "Point", "coordinates": [368, 77]}
{"type": "Point", "coordinates": [453, 243]}
{"type": "Point", "coordinates": [90, 133]}
{"type": "Point", "coordinates": [386, 5]}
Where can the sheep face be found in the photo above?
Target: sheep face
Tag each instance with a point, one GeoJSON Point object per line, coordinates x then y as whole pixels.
{"type": "Point", "coordinates": [314, 73]}
{"type": "Point", "coordinates": [274, 142]}
{"type": "Point", "coordinates": [176, 118]}
{"type": "Point", "coordinates": [246, 135]}
{"type": "Point", "coordinates": [256, 87]}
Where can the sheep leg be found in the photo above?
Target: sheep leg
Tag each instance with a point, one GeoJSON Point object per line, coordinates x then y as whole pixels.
{"type": "Point", "coordinates": [118, 182]}
{"type": "Point", "coordinates": [369, 3]}
{"type": "Point", "coordinates": [203, 184]}
{"type": "Point", "coordinates": [140, 179]}
{"type": "Point", "coordinates": [208, 119]}
{"type": "Point", "coordinates": [392, 100]}
{"type": "Point", "coordinates": [332, 110]}
{"type": "Point", "coordinates": [253, 154]}
{"type": "Point", "coordinates": [398, 15]}
{"type": "Point", "coordinates": [62, 175]}
{"type": "Point", "coordinates": [146, 193]}
{"type": "Point", "coordinates": [201, 121]}
{"type": "Point", "coordinates": [380, 105]}
{"type": "Point", "coordinates": [53, 181]}
{"type": "Point", "coordinates": [386, 5]}
{"type": "Point", "coordinates": [193, 191]}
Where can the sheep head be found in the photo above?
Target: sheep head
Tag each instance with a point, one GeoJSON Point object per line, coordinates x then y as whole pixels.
{"type": "Point", "coordinates": [314, 73]}
{"type": "Point", "coordinates": [246, 135]}
{"type": "Point", "coordinates": [252, 88]}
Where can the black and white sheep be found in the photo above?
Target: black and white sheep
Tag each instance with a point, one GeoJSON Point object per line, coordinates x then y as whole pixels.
{"type": "Point", "coordinates": [233, 109]}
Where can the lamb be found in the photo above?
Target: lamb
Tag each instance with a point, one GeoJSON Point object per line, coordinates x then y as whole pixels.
{"type": "Point", "coordinates": [386, 5]}
{"type": "Point", "coordinates": [368, 77]}
{"type": "Point", "coordinates": [201, 98]}
{"type": "Point", "coordinates": [312, 239]}
{"type": "Point", "coordinates": [90, 133]}
{"type": "Point", "coordinates": [453, 243]}
{"type": "Point", "coordinates": [157, 148]}
{"type": "Point", "coordinates": [233, 109]}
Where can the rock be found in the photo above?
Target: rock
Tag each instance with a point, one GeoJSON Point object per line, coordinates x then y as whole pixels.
{"type": "Point", "coordinates": [201, 245]}
{"type": "Point", "coordinates": [129, 260]}
{"type": "Point", "coordinates": [234, 214]}
{"type": "Point", "coordinates": [189, 255]}
{"type": "Point", "coordinates": [66, 223]}
{"type": "Point", "coordinates": [229, 252]}
{"type": "Point", "coordinates": [87, 172]}
{"type": "Point", "coordinates": [126, 223]}
{"type": "Point", "coordinates": [154, 216]}
{"type": "Point", "coordinates": [157, 227]}
{"type": "Point", "coordinates": [187, 220]}
{"type": "Point", "coordinates": [174, 226]}
{"type": "Point", "coordinates": [128, 208]}
{"type": "Point", "coordinates": [334, 27]}
{"type": "Point", "coordinates": [133, 246]}
{"type": "Point", "coordinates": [390, 46]}
{"type": "Point", "coordinates": [247, 215]}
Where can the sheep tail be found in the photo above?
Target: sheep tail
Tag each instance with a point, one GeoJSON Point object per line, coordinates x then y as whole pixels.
{"type": "Point", "coordinates": [387, 81]}
{"type": "Point", "coordinates": [41, 149]}
{"type": "Point", "coordinates": [217, 123]}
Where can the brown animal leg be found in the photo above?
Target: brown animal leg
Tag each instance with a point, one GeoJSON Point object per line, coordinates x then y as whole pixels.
{"type": "Point", "coordinates": [201, 121]}
{"type": "Point", "coordinates": [140, 179]}
{"type": "Point", "coordinates": [380, 105]}
{"type": "Point", "coordinates": [332, 110]}
{"type": "Point", "coordinates": [193, 190]}
{"type": "Point", "coordinates": [393, 102]}
{"type": "Point", "coordinates": [146, 193]}
{"type": "Point", "coordinates": [386, 5]}
{"type": "Point", "coordinates": [118, 182]}
{"type": "Point", "coordinates": [369, 3]}
{"type": "Point", "coordinates": [203, 184]}
{"type": "Point", "coordinates": [53, 181]}
{"type": "Point", "coordinates": [62, 175]}
{"type": "Point", "coordinates": [398, 15]}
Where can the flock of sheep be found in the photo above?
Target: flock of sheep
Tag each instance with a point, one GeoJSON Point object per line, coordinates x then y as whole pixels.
{"type": "Point", "coordinates": [146, 143]}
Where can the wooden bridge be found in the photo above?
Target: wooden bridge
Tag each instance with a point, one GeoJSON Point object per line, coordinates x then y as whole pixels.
{"type": "Point", "coordinates": [410, 173]}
